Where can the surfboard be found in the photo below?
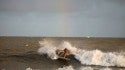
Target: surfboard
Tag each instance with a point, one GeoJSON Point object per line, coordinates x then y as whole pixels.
{"type": "Point", "coordinates": [63, 58]}
{"type": "Point", "coordinates": [62, 53]}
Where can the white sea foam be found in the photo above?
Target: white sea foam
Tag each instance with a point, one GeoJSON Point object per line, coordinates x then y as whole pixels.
{"type": "Point", "coordinates": [97, 57]}
{"type": "Point", "coordinates": [86, 68]}
{"type": "Point", "coordinates": [106, 69]}
{"type": "Point", "coordinates": [29, 68]}
{"type": "Point", "coordinates": [66, 68]}
{"type": "Point", "coordinates": [82, 68]}
{"type": "Point", "coordinates": [93, 57]}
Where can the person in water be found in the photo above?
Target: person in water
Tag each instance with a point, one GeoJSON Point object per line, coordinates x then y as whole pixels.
{"type": "Point", "coordinates": [63, 53]}
{"type": "Point", "coordinates": [66, 53]}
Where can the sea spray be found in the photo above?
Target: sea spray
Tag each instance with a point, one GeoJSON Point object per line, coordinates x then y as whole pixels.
{"type": "Point", "coordinates": [93, 57]}
{"type": "Point", "coordinates": [47, 48]}
{"type": "Point", "coordinates": [67, 45]}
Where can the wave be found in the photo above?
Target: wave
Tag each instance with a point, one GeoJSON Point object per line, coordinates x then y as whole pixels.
{"type": "Point", "coordinates": [71, 68]}
{"type": "Point", "coordinates": [93, 57]}
{"type": "Point", "coordinates": [82, 68]}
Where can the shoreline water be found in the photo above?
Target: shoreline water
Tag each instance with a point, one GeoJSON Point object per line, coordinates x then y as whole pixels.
{"type": "Point", "coordinates": [22, 51]}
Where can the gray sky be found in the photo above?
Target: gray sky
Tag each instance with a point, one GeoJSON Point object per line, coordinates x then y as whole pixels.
{"type": "Point", "coordinates": [72, 18]}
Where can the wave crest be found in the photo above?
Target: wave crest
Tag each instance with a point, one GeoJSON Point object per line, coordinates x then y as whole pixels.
{"type": "Point", "coordinates": [93, 57]}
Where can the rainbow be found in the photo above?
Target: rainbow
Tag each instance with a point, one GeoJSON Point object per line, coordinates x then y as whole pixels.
{"type": "Point", "coordinates": [62, 20]}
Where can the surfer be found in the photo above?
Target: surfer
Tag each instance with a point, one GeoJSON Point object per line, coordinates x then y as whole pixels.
{"type": "Point", "coordinates": [66, 53]}
{"type": "Point", "coordinates": [63, 53]}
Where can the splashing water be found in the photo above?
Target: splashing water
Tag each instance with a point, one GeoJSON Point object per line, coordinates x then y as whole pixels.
{"type": "Point", "coordinates": [49, 49]}
{"type": "Point", "coordinates": [94, 57]}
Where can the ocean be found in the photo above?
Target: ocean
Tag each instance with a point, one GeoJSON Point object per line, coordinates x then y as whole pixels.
{"type": "Point", "coordinates": [38, 53]}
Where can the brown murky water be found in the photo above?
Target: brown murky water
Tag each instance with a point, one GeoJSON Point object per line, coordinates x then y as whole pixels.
{"type": "Point", "coordinates": [20, 53]}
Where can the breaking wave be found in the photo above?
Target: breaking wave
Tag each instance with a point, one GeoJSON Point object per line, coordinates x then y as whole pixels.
{"type": "Point", "coordinates": [93, 57]}
{"type": "Point", "coordinates": [82, 68]}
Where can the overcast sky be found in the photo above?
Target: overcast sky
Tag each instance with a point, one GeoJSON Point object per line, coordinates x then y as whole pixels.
{"type": "Point", "coordinates": [67, 18]}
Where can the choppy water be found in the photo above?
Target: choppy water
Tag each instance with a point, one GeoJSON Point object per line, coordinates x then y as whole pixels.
{"type": "Point", "coordinates": [37, 62]}
{"type": "Point", "coordinates": [80, 59]}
